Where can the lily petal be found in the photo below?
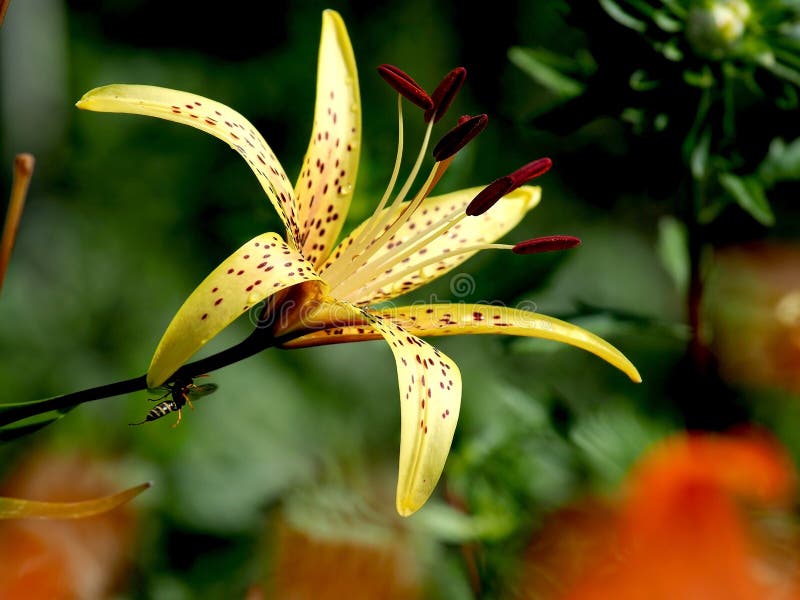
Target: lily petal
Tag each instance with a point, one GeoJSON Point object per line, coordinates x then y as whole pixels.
{"type": "Point", "coordinates": [485, 228]}
{"type": "Point", "coordinates": [209, 116]}
{"type": "Point", "coordinates": [15, 508]}
{"type": "Point", "coordinates": [263, 266]}
{"type": "Point", "coordinates": [328, 177]}
{"type": "Point", "coordinates": [465, 319]}
{"type": "Point", "coordinates": [430, 399]}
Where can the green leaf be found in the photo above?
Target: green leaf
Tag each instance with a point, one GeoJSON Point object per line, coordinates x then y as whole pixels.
{"type": "Point", "coordinates": [448, 524]}
{"type": "Point", "coordinates": [673, 249]}
{"type": "Point", "coordinates": [611, 441]}
{"type": "Point", "coordinates": [698, 160]}
{"type": "Point", "coordinates": [779, 70]}
{"type": "Point", "coordinates": [782, 162]}
{"type": "Point", "coordinates": [640, 81]}
{"type": "Point", "coordinates": [666, 22]}
{"type": "Point", "coordinates": [711, 211]}
{"type": "Point", "coordinates": [676, 7]}
{"type": "Point", "coordinates": [616, 12]}
{"type": "Point", "coordinates": [703, 79]}
{"type": "Point", "coordinates": [749, 194]}
{"type": "Point", "coordinates": [30, 425]}
{"type": "Point", "coordinates": [671, 50]}
{"type": "Point", "coordinates": [540, 67]}
{"type": "Point", "coordinates": [18, 411]}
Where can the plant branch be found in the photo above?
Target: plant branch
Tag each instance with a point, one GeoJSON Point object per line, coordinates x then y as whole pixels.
{"type": "Point", "coordinates": [23, 171]}
{"type": "Point", "coordinates": [256, 342]}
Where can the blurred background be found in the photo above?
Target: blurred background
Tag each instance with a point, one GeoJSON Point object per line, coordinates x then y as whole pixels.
{"type": "Point", "coordinates": [673, 126]}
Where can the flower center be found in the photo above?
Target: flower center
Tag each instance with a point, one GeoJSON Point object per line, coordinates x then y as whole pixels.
{"type": "Point", "coordinates": [356, 270]}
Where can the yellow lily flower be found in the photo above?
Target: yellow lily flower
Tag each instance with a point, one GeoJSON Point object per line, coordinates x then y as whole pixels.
{"type": "Point", "coordinates": [321, 293]}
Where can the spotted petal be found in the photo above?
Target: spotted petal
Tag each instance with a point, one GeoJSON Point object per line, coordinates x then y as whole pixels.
{"type": "Point", "coordinates": [485, 228]}
{"type": "Point", "coordinates": [211, 117]}
{"type": "Point", "coordinates": [430, 399]}
{"type": "Point", "coordinates": [15, 508]}
{"type": "Point", "coordinates": [464, 319]}
{"type": "Point", "coordinates": [263, 266]}
{"type": "Point", "coordinates": [328, 175]}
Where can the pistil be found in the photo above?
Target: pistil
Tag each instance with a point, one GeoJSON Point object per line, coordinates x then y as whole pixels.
{"type": "Point", "coordinates": [479, 205]}
{"type": "Point", "coordinates": [550, 243]}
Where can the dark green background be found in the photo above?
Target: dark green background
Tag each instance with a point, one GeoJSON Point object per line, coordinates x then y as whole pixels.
{"type": "Point", "coordinates": [127, 214]}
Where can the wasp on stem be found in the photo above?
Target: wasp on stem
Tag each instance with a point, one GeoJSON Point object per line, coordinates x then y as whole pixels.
{"type": "Point", "coordinates": [182, 391]}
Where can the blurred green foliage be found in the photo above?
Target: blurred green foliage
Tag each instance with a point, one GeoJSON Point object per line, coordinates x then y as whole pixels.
{"type": "Point", "coordinates": [635, 101]}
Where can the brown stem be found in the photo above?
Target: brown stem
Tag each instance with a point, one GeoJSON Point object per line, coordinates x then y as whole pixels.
{"type": "Point", "coordinates": [23, 171]}
{"type": "Point", "coordinates": [3, 8]}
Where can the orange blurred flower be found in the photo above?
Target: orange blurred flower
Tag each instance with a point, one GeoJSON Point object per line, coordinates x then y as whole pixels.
{"type": "Point", "coordinates": [680, 529]}
{"type": "Point", "coordinates": [54, 560]}
{"type": "Point", "coordinates": [753, 311]}
{"type": "Point", "coordinates": [309, 566]}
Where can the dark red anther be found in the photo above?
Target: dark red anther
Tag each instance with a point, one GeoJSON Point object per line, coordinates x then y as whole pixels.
{"type": "Point", "coordinates": [444, 93]}
{"type": "Point", "coordinates": [489, 196]}
{"type": "Point", "coordinates": [458, 137]}
{"type": "Point", "coordinates": [531, 171]}
{"type": "Point", "coordinates": [548, 243]}
{"type": "Point", "coordinates": [404, 85]}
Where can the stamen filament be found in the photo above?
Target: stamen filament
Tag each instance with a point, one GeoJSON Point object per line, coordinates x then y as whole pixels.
{"type": "Point", "coordinates": [365, 245]}
{"type": "Point", "coordinates": [362, 271]}
{"type": "Point", "coordinates": [418, 242]}
{"type": "Point", "coordinates": [376, 285]}
{"type": "Point", "coordinates": [369, 229]}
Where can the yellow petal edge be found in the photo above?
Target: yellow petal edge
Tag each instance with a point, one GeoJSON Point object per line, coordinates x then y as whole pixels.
{"type": "Point", "coordinates": [15, 508]}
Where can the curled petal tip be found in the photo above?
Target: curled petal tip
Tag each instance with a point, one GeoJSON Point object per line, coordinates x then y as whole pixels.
{"type": "Point", "coordinates": [85, 102]}
{"type": "Point", "coordinates": [404, 509]}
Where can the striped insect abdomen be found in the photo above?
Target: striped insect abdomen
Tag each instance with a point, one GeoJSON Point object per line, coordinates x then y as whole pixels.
{"type": "Point", "coordinates": [161, 409]}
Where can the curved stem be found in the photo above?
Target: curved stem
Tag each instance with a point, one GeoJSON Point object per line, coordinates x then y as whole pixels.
{"type": "Point", "coordinates": [256, 342]}
{"type": "Point", "coordinates": [10, 413]}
